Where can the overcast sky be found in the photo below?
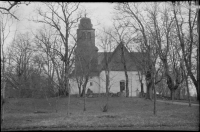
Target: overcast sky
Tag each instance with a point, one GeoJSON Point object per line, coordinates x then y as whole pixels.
{"type": "Point", "coordinates": [99, 13]}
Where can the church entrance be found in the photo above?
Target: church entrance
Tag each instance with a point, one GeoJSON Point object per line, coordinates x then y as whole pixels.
{"type": "Point", "coordinates": [122, 86]}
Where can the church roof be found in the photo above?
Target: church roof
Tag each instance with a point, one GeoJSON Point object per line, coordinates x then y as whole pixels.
{"type": "Point", "coordinates": [133, 59]}
{"type": "Point", "coordinates": [114, 61]}
{"type": "Point", "coordinates": [101, 56]}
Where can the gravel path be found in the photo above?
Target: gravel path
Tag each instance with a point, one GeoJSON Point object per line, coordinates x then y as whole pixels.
{"type": "Point", "coordinates": [179, 103]}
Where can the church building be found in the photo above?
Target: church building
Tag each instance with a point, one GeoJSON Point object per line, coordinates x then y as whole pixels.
{"type": "Point", "coordinates": [89, 62]}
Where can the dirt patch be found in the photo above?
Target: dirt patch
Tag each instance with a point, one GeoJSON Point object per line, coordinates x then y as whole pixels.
{"type": "Point", "coordinates": [108, 116]}
{"type": "Point", "coordinates": [40, 112]}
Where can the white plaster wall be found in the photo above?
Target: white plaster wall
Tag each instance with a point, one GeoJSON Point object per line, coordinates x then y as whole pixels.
{"type": "Point", "coordinates": [99, 83]}
{"type": "Point", "coordinates": [74, 86]}
{"type": "Point", "coordinates": [95, 84]}
{"type": "Point", "coordinates": [116, 77]}
{"type": "Point", "coordinates": [94, 87]}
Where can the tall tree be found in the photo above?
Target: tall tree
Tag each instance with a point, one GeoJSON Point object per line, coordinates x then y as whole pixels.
{"type": "Point", "coordinates": [21, 53]}
{"type": "Point", "coordinates": [107, 46]}
{"type": "Point", "coordinates": [187, 37]}
{"type": "Point", "coordinates": [122, 35]}
{"type": "Point", "coordinates": [7, 9]}
{"type": "Point", "coordinates": [62, 17]}
{"type": "Point", "coordinates": [4, 34]}
{"type": "Point", "coordinates": [129, 11]}
{"type": "Point", "coordinates": [163, 36]}
{"type": "Point", "coordinates": [132, 14]}
{"type": "Point", "coordinates": [198, 30]}
{"type": "Point", "coordinates": [48, 44]}
{"type": "Point", "coordinates": [85, 65]}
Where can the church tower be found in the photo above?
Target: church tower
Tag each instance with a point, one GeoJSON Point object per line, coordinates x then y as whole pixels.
{"type": "Point", "coordinates": [86, 51]}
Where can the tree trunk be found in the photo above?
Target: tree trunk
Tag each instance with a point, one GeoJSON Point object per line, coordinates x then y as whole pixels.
{"type": "Point", "coordinates": [3, 88]}
{"type": "Point", "coordinates": [69, 90]}
{"type": "Point", "coordinates": [172, 94]}
{"type": "Point", "coordinates": [197, 88]}
{"type": "Point", "coordinates": [83, 92]}
{"type": "Point", "coordinates": [125, 69]}
{"type": "Point", "coordinates": [142, 89]}
{"type": "Point", "coordinates": [188, 92]}
{"type": "Point", "coordinates": [154, 110]}
{"type": "Point", "coordinates": [66, 62]}
{"type": "Point", "coordinates": [84, 109]}
{"type": "Point", "coordinates": [79, 81]}
{"type": "Point", "coordinates": [3, 102]}
{"type": "Point", "coordinates": [105, 109]}
{"type": "Point", "coordinates": [127, 89]}
{"type": "Point", "coordinates": [84, 86]}
{"type": "Point", "coordinates": [198, 19]}
{"type": "Point", "coordinates": [195, 82]}
{"type": "Point", "coordinates": [179, 94]}
{"type": "Point", "coordinates": [79, 91]}
{"type": "Point", "coordinates": [149, 91]}
{"type": "Point", "coordinates": [107, 82]}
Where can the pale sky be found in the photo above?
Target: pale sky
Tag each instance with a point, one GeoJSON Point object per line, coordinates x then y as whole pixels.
{"type": "Point", "coordinates": [100, 14]}
{"type": "Point", "coordinates": [97, 12]}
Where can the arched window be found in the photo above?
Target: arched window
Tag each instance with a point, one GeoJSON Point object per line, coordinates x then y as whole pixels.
{"type": "Point", "coordinates": [88, 35]}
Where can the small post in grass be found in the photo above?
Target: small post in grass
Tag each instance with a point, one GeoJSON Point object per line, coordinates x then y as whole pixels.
{"type": "Point", "coordinates": [84, 109]}
{"type": "Point", "coordinates": [154, 111]}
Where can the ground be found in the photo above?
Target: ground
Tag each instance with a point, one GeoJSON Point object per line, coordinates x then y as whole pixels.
{"type": "Point", "coordinates": [123, 113]}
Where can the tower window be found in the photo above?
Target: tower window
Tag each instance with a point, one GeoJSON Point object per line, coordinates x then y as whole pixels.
{"type": "Point", "coordinates": [91, 84]}
{"type": "Point", "coordinates": [88, 35]}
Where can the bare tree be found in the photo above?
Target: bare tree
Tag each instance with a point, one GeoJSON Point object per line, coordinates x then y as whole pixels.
{"type": "Point", "coordinates": [187, 86]}
{"type": "Point", "coordinates": [4, 34]}
{"type": "Point", "coordinates": [61, 16]}
{"type": "Point", "coordinates": [121, 34]}
{"type": "Point", "coordinates": [85, 65]}
{"type": "Point", "coordinates": [5, 10]}
{"type": "Point", "coordinates": [163, 36]}
{"type": "Point", "coordinates": [21, 56]}
{"type": "Point", "coordinates": [107, 46]}
{"type": "Point", "coordinates": [140, 62]}
{"type": "Point", "coordinates": [129, 14]}
{"type": "Point", "coordinates": [49, 47]}
{"type": "Point", "coordinates": [7, 7]}
{"type": "Point", "coordinates": [79, 80]}
{"type": "Point", "coordinates": [132, 14]}
{"type": "Point", "coordinates": [189, 39]}
{"type": "Point", "coordinates": [48, 43]}
{"type": "Point", "coordinates": [198, 30]}
{"type": "Point", "coordinates": [140, 76]}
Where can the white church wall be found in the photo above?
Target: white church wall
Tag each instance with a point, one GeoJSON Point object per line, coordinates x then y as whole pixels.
{"type": "Point", "coordinates": [135, 85]}
{"type": "Point", "coordinates": [98, 84]}
{"type": "Point", "coordinates": [74, 86]}
{"type": "Point", "coordinates": [116, 77]}
{"type": "Point", "coordinates": [93, 84]}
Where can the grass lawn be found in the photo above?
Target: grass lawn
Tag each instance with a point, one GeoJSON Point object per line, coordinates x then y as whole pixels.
{"type": "Point", "coordinates": [123, 113]}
